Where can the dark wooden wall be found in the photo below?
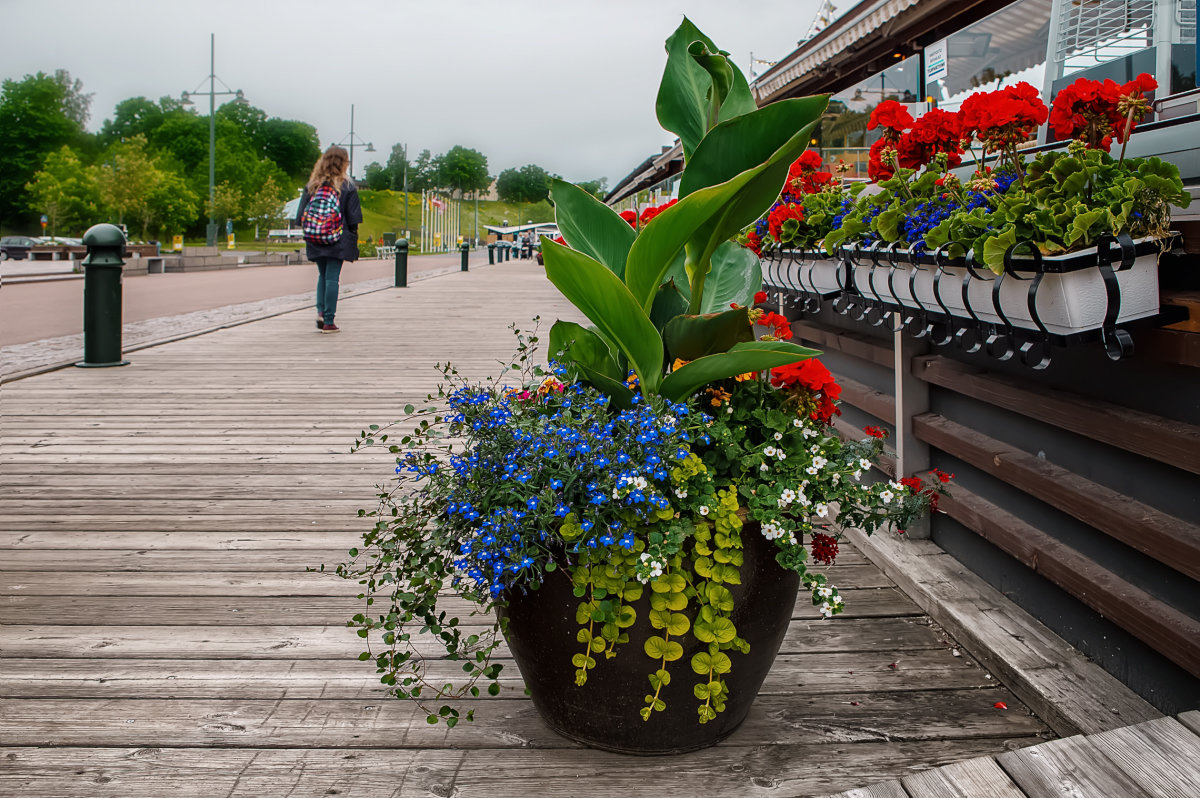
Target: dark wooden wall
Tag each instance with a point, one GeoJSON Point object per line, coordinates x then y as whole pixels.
{"type": "Point", "coordinates": [1077, 489]}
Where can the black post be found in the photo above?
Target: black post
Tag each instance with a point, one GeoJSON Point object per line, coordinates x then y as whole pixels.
{"type": "Point", "coordinates": [402, 263]}
{"type": "Point", "coordinates": [491, 254]}
{"type": "Point", "coordinates": [466, 249]}
{"type": "Point", "coordinates": [102, 297]}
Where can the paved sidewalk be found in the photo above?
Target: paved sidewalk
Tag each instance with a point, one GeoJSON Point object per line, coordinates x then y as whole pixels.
{"type": "Point", "coordinates": [20, 358]}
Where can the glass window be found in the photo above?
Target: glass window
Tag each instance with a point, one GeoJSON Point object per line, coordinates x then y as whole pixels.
{"type": "Point", "coordinates": [1006, 47]}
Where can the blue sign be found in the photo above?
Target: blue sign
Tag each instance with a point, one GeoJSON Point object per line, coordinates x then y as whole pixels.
{"type": "Point", "coordinates": [229, 227]}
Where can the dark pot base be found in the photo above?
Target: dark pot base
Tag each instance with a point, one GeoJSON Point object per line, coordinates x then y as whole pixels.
{"type": "Point", "coordinates": [604, 712]}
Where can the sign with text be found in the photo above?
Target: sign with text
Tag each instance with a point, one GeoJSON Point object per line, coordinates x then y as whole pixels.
{"type": "Point", "coordinates": [230, 245]}
{"type": "Point", "coordinates": [936, 56]}
{"type": "Point", "coordinates": [177, 243]}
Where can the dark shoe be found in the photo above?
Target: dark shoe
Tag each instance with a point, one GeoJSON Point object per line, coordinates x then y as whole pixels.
{"type": "Point", "coordinates": [320, 323]}
{"type": "Point", "coordinates": [330, 328]}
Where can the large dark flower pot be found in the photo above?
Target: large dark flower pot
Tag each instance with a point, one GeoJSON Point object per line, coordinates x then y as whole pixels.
{"type": "Point", "coordinates": [604, 712]}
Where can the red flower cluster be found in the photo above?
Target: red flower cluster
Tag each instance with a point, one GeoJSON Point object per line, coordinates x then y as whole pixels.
{"type": "Point", "coordinates": [781, 328]}
{"type": "Point", "coordinates": [760, 297]}
{"type": "Point", "coordinates": [630, 216]}
{"type": "Point", "coordinates": [894, 118]}
{"type": "Point", "coordinates": [916, 486]}
{"type": "Point", "coordinates": [804, 175]}
{"type": "Point", "coordinates": [1096, 112]}
{"type": "Point", "coordinates": [812, 376]}
{"type": "Point", "coordinates": [824, 548]}
{"type": "Point", "coordinates": [779, 215]}
{"type": "Point", "coordinates": [651, 211]}
{"type": "Point", "coordinates": [754, 242]}
{"type": "Point", "coordinates": [1004, 117]}
{"type": "Point", "coordinates": [935, 131]}
{"type": "Point", "coordinates": [875, 432]}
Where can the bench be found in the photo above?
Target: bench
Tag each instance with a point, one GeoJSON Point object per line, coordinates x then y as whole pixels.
{"type": "Point", "coordinates": [385, 251]}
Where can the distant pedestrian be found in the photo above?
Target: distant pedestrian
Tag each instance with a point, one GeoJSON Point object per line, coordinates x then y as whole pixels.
{"type": "Point", "coordinates": [330, 213]}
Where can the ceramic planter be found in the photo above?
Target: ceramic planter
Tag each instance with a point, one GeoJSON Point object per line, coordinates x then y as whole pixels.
{"type": "Point", "coordinates": [604, 713]}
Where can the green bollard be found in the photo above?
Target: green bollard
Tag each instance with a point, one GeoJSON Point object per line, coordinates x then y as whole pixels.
{"type": "Point", "coordinates": [466, 248]}
{"type": "Point", "coordinates": [507, 251]}
{"type": "Point", "coordinates": [402, 263]}
{"type": "Point", "coordinates": [491, 254]}
{"type": "Point", "coordinates": [102, 297]}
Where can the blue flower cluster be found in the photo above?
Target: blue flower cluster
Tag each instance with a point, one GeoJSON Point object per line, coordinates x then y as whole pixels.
{"type": "Point", "coordinates": [932, 212]}
{"type": "Point", "coordinates": [557, 470]}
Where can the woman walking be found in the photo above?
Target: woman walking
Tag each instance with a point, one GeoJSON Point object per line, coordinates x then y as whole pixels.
{"type": "Point", "coordinates": [329, 214]}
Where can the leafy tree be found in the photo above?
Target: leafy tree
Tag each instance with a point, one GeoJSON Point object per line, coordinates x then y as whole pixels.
{"type": "Point", "coordinates": [292, 145]}
{"type": "Point", "coordinates": [598, 188]}
{"type": "Point", "coordinates": [464, 170]}
{"type": "Point", "coordinates": [137, 188]}
{"type": "Point", "coordinates": [377, 177]}
{"type": "Point", "coordinates": [398, 167]}
{"type": "Point", "coordinates": [425, 173]}
{"type": "Point", "coordinates": [227, 203]}
{"type": "Point", "coordinates": [66, 191]}
{"type": "Point", "coordinates": [530, 183]}
{"type": "Point", "coordinates": [38, 115]}
{"type": "Point", "coordinates": [250, 121]}
{"type": "Point", "coordinates": [136, 115]}
{"type": "Point", "coordinates": [266, 205]}
{"type": "Point", "coordinates": [170, 205]}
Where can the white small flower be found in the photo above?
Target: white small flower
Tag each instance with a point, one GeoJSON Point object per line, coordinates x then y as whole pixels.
{"type": "Point", "coordinates": [824, 592]}
{"type": "Point", "coordinates": [787, 497]}
{"type": "Point", "coordinates": [782, 455]}
{"type": "Point", "coordinates": [821, 510]}
{"type": "Point", "coordinates": [837, 600]}
{"type": "Point", "coordinates": [858, 476]}
{"type": "Point", "coordinates": [616, 494]}
{"type": "Point", "coordinates": [811, 470]}
{"type": "Point", "coordinates": [669, 420]}
{"type": "Point", "coordinates": [814, 449]}
{"type": "Point", "coordinates": [640, 483]}
{"type": "Point", "coordinates": [681, 493]}
{"type": "Point", "coordinates": [836, 478]}
{"type": "Point", "coordinates": [703, 509]}
{"type": "Point", "coordinates": [778, 436]}
{"type": "Point", "coordinates": [729, 410]}
{"type": "Point", "coordinates": [819, 461]}
{"type": "Point", "coordinates": [826, 610]}
{"type": "Point", "coordinates": [810, 432]}
{"type": "Point", "coordinates": [804, 500]}
{"type": "Point", "coordinates": [864, 464]}
{"type": "Point", "coordinates": [797, 423]}
{"type": "Point", "coordinates": [764, 467]}
{"type": "Point", "coordinates": [887, 496]}
{"type": "Point", "coordinates": [896, 486]}
{"type": "Point", "coordinates": [770, 451]}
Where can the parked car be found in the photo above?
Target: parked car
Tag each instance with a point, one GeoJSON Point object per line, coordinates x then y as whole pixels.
{"type": "Point", "coordinates": [16, 247]}
{"type": "Point", "coordinates": [60, 241]}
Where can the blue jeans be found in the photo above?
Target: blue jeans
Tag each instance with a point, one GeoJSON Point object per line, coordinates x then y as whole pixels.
{"type": "Point", "coordinates": [328, 272]}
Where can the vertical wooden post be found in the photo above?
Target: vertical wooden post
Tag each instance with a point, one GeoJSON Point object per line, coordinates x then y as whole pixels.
{"type": "Point", "coordinates": [912, 398]}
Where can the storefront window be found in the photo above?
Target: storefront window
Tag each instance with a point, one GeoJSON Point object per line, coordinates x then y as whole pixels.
{"type": "Point", "coordinates": [999, 50]}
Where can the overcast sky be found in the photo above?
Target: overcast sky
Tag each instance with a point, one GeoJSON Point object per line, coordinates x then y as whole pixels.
{"type": "Point", "coordinates": [565, 84]}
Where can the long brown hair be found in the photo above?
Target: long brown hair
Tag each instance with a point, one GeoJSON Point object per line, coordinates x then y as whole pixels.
{"type": "Point", "coordinates": [330, 168]}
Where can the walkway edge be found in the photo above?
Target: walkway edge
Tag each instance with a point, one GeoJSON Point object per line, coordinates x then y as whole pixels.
{"type": "Point", "coordinates": [56, 365]}
{"type": "Point", "coordinates": [1071, 694]}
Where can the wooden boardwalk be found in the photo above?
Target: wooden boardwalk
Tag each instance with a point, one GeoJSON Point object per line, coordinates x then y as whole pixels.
{"type": "Point", "coordinates": [159, 635]}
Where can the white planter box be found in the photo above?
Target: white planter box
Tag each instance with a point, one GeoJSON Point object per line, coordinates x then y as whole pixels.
{"type": "Point", "coordinates": [804, 273]}
{"type": "Point", "coordinates": [1067, 302]}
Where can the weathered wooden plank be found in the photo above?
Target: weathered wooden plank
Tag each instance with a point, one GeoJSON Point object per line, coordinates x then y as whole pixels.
{"type": "Point", "coordinates": [330, 601]}
{"type": "Point", "coordinates": [1167, 440]}
{"type": "Point", "coordinates": [970, 778]}
{"type": "Point", "coordinates": [885, 789]}
{"type": "Point", "coordinates": [320, 537]}
{"type": "Point", "coordinates": [1170, 540]}
{"type": "Point", "coordinates": [1068, 767]}
{"type": "Point", "coordinates": [888, 636]}
{"type": "Point", "coordinates": [1072, 694]}
{"type": "Point", "coordinates": [875, 350]}
{"type": "Point", "coordinates": [876, 403]}
{"type": "Point", "coordinates": [1162, 756]}
{"type": "Point", "coordinates": [858, 672]}
{"type": "Point", "coordinates": [499, 722]}
{"type": "Point", "coordinates": [1172, 633]}
{"type": "Point", "coordinates": [726, 771]}
{"type": "Point", "coordinates": [1191, 719]}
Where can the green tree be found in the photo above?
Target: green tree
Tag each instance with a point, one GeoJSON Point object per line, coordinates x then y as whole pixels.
{"type": "Point", "coordinates": [265, 206]}
{"type": "Point", "coordinates": [530, 183]}
{"type": "Point", "coordinates": [464, 170]}
{"type": "Point", "coordinates": [424, 174]}
{"type": "Point", "coordinates": [131, 117]}
{"type": "Point", "coordinates": [170, 205]}
{"type": "Point", "coordinates": [38, 115]}
{"type": "Point", "coordinates": [376, 177]}
{"type": "Point", "coordinates": [292, 145]}
{"type": "Point", "coordinates": [398, 167]}
{"type": "Point", "coordinates": [139, 189]}
{"type": "Point", "coordinates": [66, 191]}
{"type": "Point", "coordinates": [227, 203]}
{"type": "Point", "coordinates": [598, 188]}
{"type": "Point", "coordinates": [251, 121]}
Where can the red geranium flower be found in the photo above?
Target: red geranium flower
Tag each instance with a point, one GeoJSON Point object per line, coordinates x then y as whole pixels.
{"type": "Point", "coordinates": [631, 217]}
{"type": "Point", "coordinates": [651, 211]}
{"type": "Point", "coordinates": [781, 213]}
{"type": "Point", "coordinates": [1004, 117]}
{"type": "Point", "coordinates": [781, 328]}
{"type": "Point", "coordinates": [824, 548]}
{"type": "Point", "coordinates": [754, 242]}
{"type": "Point", "coordinates": [875, 432]}
{"type": "Point", "coordinates": [892, 115]}
{"type": "Point", "coordinates": [880, 167]}
{"type": "Point", "coordinates": [811, 376]}
{"type": "Point", "coordinates": [760, 297]}
{"type": "Point", "coordinates": [936, 131]}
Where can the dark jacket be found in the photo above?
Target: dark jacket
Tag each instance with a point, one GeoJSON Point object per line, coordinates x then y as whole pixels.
{"type": "Point", "coordinates": [346, 249]}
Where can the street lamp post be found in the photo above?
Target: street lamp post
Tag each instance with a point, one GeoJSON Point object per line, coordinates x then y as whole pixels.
{"type": "Point", "coordinates": [406, 189]}
{"type": "Point", "coordinates": [212, 93]}
{"type": "Point", "coordinates": [350, 143]}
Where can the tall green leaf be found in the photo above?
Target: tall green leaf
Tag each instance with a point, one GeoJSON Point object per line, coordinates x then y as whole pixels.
{"type": "Point", "coordinates": [735, 276]}
{"type": "Point", "coordinates": [741, 358]}
{"type": "Point", "coordinates": [748, 140]}
{"type": "Point", "coordinates": [683, 95]}
{"type": "Point", "coordinates": [694, 337]}
{"type": "Point", "coordinates": [578, 344]}
{"type": "Point", "coordinates": [590, 226]}
{"type": "Point", "coordinates": [669, 302]}
{"type": "Point", "coordinates": [603, 298]}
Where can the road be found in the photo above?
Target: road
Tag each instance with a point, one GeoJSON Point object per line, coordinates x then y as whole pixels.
{"type": "Point", "coordinates": [37, 311]}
